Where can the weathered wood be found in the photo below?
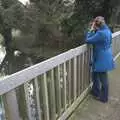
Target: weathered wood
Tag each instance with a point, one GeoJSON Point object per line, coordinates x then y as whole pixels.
{"type": "Point", "coordinates": [65, 88]}
{"type": "Point", "coordinates": [82, 80]}
{"type": "Point", "coordinates": [115, 34]}
{"type": "Point", "coordinates": [85, 69]}
{"type": "Point", "coordinates": [45, 98]}
{"type": "Point", "coordinates": [78, 75]}
{"type": "Point", "coordinates": [10, 82]}
{"type": "Point", "coordinates": [38, 98]}
{"type": "Point", "coordinates": [28, 102]}
{"type": "Point", "coordinates": [11, 106]}
{"type": "Point", "coordinates": [66, 114]}
{"type": "Point", "coordinates": [75, 78]}
{"type": "Point", "coordinates": [58, 91]}
{"type": "Point", "coordinates": [72, 80]}
{"type": "Point", "coordinates": [81, 76]}
{"type": "Point", "coordinates": [52, 97]}
{"type": "Point", "coordinates": [69, 78]}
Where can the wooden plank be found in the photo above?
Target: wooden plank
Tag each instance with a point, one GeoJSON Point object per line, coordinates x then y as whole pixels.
{"type": "Point", "coordinates": [52, 97]}
{"type": "Point", "coordinates": [68, 112]}
{"type": "Point", "coordinates": [69, 78]}
{"type": "Point", "coordinates": [81, 73]}
{"type": "Point", "coordinates": [116, 54]}
{"type": "Point", "coordinates": [116, 57]}
{"type": "Point", "coordinates": [88, 67]}
{"type": "Point", "coordinates": [115, 34]}
{"type": "Point", "coordinates": [75, 78]}
{"type": "Point", "coordinates": [72, 80]}
{"type": "Point", "coordinates": [65, 88]}
{"type": "Point", "coordinates": [58, 91]}
{"type": "Point", "coordinates": [91, 58]}
{"type": "Point", "coordinates": [85, 69]}
{"type": "Point", "coordinates": [67, 83]}
{"type": "Point", "coordinates": [11, 106]}
{"type": "Point", "coordinates": [45, 98]}
{"type": "Point", "coordinates": [28, 101]}
{"type": "Point", "coordinates": [10, 82]}
{"type": "Point", "coordinates": [78, 75]}
{"type": "Point", "coordinates": [82, 80]}
{"type": "Point", "coordinates": [38, 98]}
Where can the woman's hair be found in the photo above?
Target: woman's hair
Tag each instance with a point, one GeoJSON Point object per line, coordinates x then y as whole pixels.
{"type": "Point", "coordinates": [99, 21]}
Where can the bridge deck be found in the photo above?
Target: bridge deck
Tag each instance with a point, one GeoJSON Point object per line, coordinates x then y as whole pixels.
{"type": "Point", "coordinates": [92, 109]}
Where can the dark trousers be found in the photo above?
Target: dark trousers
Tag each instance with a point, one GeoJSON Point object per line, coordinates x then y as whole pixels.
{"type": "Point", "coordinates": [100, 85]}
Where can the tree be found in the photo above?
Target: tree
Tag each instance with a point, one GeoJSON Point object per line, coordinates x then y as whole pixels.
{"type": "Point", "coordinates": [11, 12]}
{"type": "Point", "coordinates": [43, 19]}
{"type": "Point", "coordinates": [84, 11]}
{"type": "Point", "coordinates": [50, 20]}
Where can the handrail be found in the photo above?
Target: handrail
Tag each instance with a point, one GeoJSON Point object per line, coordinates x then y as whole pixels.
{"type": "Point", "coordinates": [10, 82]}
{"type": "Point", "coordinates": [115, 34]}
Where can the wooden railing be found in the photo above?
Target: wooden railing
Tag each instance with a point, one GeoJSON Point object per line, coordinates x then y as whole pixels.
{"type": "Point", "coordinates": [50, 90]}
{"type": "Point", "coordinates": [116, 44]}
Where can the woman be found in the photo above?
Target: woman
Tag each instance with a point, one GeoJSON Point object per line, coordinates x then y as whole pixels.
{"type": "Point", "coordinates": [101, 38]}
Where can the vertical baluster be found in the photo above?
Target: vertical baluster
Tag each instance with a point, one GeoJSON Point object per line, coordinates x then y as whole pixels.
{"type": "Point", "coordinates": [85, 69]}
{"type": "Point", "coordinates": [69, 78]}
{"type": "Point", "coordinates": [65, 92]}
{"type": "Point", "coordinates": [75, 78]}
{"type": "Point", "coordinates": [119, 42]}
{"type": "Point", "coordinates": [81, 74]}
{"type": "Point", "coordinates": [28, 101]}
{"type": "Point", "coordinates": [38, 98]}
{"type": "Point", "coordinates": [89, 66]}
{"type": "Point", "coordinates": [11, 106]}
{"type": "Point", "coordinates": [58, 91]}
{"type": "Point", "coordinates": [91, 60]}
{"type": "Point", "coordinates": [82, 80]}
{"type": "Point", "coordinates": [45, 97]}
{"type": "Point", "coordinates": [52, 97]}
{"type": "Point", "coordinates": [78, 74]}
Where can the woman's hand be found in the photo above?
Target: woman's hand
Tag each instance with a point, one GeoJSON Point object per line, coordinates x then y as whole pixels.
{"type": "Point", "coordinates": [93, 26]}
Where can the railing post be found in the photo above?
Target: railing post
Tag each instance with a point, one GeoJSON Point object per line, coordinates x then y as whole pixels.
{"type": "Point", "coordinates": [65, 87]}
{"type": "Point", "coordinates": [45, 98]}
{"type": "Point", "coordinates": [58, 91]}
{"type": "Point", "coordinates": [75, 78]}
{"type": "Point", "coordinates": [38, 98]}
{"type": "Point", "coordinates": [28, 101]}
{"type": "Point", "coordinates": [52, 96]}
{"type": "Point", "coordinates": [69, 79]}
{"type": "Point", "coordinates": [11, 106]}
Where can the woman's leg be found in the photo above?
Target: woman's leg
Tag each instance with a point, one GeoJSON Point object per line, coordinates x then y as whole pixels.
{"type": "Point", "coordinates": [96, 84]}
{"type": "Point", "coordinates": [104, 86]}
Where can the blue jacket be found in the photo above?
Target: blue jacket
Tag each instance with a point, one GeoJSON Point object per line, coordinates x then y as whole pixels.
{"type": "Point", "coordinates": [102, 50]}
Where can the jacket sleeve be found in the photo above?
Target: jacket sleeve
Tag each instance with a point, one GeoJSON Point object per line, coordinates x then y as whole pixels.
{"type": "Point", "coordinates": [93, 38]}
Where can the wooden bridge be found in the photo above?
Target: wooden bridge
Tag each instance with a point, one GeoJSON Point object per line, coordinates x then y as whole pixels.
{"type": "Point", "coordinates": [50, 90]}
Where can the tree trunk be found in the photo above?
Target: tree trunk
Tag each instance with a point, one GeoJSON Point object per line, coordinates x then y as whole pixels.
{"type": "Point", "coordinates": [7, 34]}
